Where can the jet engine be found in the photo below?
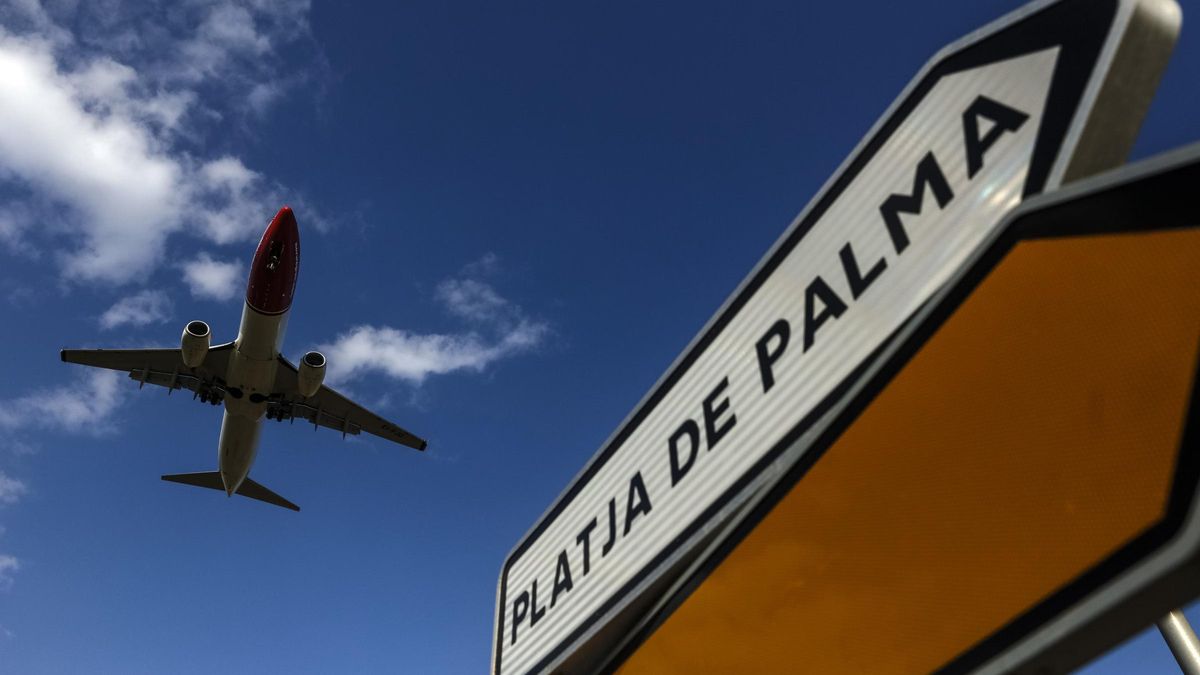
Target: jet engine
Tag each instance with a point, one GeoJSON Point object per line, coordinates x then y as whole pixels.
{"type": "Point", "coordinates": [195, 342]}
{"type": "Point", "coordinates": [312, 373]}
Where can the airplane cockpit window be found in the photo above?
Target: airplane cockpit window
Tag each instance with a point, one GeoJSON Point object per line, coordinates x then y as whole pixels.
{"type": "Point", "coordinates": [274, 254]}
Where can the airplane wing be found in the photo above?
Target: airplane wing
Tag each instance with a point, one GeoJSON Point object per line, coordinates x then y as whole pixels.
{"type": "Point", "coordinates": [327, 408]}
{"type": "Point", "coordinates": [162, 367]}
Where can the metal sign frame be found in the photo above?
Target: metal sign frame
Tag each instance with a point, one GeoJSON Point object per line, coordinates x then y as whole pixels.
{"type": "Point", "coordinates": [1110, 54]}
{"type": "Point", "coordinates": [1129, 589]}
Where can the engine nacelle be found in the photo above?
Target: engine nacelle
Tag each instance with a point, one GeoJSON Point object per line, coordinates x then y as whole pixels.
{"type": "Point", "coordinates": [312, 374]}
{"type": "Point", "coordinates": [195, 342]}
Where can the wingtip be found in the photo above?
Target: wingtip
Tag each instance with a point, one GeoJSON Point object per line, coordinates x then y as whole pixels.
{"type": "Point", "coordinates": [424, 444]}
{"type": "Point", "coordinates": [62, 354]}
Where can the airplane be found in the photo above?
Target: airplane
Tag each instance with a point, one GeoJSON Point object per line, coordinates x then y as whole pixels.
{"type": "Point", "coordinates": [249, 375]}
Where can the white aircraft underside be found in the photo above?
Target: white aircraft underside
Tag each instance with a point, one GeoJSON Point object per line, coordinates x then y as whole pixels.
{"type": "Point", "coordinates": [249, 375]}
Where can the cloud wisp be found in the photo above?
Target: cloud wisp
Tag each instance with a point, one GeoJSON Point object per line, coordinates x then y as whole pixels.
{"type": "Point", "coordinates": [413, 357]}
{"type": "Point", "coordinates": [499, 329]}
{"type": "Point", "coordinates": [84, 407]}
{"type": "Point", "coordinates": [472, 300]}
{"type": "Point", "coordinates": [9, 565]}
{"type": "Point", "coordinates": [11, 489]}
{"type": "Point", "coordinates": [212, 279]}
{"type": "Point", "coordinates": [140, 309]}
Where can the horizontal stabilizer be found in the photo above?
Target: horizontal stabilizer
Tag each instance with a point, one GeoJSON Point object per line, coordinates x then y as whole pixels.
{"type": "Point", "coordinates": [208, 479]}
{"type": "Point", "coordinates": [256, 491]}
{"type": "Point", "coordinates": [212, 480]}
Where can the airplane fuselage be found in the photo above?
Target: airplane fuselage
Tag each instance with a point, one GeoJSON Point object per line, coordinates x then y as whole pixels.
{"type": "Point", "coordinates": [250, 380]}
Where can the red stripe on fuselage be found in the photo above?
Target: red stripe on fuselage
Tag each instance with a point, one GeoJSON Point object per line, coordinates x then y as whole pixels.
{"type": "Point", "coordinates": [276, 266]}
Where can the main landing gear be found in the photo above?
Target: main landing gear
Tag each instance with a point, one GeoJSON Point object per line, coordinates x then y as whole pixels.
{"type": "Point", "coordinates": [279, 413]}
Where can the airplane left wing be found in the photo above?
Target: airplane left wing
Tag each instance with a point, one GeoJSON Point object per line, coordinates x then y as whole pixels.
{"type": "Point", "coordinates": [162, 367]}
{"type": "Point", "coordinates": [327, 408]}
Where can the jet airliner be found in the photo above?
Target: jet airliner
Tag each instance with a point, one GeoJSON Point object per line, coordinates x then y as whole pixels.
{"type": "Point", "coordinates": [249, 375]}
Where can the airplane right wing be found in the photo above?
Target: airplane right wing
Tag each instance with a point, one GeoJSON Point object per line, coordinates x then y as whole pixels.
{"type": "Point", "coordinates": [329, 409]}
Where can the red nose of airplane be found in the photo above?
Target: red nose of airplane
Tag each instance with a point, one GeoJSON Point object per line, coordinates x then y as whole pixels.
{"type": "Point", "coordinates": [276, 265]}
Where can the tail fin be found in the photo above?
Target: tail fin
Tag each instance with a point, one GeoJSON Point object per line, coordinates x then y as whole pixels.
{"type": "Point", "coordinates": [212, 480]}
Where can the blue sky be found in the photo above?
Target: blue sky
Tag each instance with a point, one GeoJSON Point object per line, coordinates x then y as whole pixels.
{"type": "Point", "coordinates": [513, 217]}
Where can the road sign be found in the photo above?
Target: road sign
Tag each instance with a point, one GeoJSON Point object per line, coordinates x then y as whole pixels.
{"type": "Point", "coordinates": [1012, 486]}
{"type": "Point", "coordinates": [1051, 92]}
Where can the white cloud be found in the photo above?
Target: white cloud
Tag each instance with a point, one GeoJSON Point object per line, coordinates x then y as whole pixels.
{"type": "Point", "coordinates": [501, 329]}
{"type": "Point", "coordinates": [19, 446]}
{"type": "Point", "coordinates": [140, 309]}
{"type": "Point", "coordinates": [9, 565]}
{"type": "Point", "coordinates": [106, 87]}
{"type": "Point", "coordinates": [263, 96]}
{"type": "Point", "coordinates": [15, 221]}
{"type": "Point", "coordinates": [227, 44]}
{"type": "Point", "coordinates": [209, 278]}
{"type": "Point", "coordinates": [487, 265]}
{"type": "Point", "coordinates": [98, 128]}
{"type": "Point", "coordinates": [85, 407]}
{"type": "Point", "coordinates": [31, 14]}
{"type": "Point", "coordinates": [240, 198]}
{"type": "Point", "coordinates": [240, 38]}
{"type": "Point", "coordinates": [106, 166]}
{"type": "Point", "coordinates": [471, 299]}
{"type": "Point", "coordinates": [228, 30]}
{"type": "Point", "coordinates": [11, 489]}
{"type": "Point", "coordinates": [413, 357]}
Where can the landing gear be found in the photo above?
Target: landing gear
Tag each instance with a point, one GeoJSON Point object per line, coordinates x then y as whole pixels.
{"type": "Point", "coordinates": [279, 413]}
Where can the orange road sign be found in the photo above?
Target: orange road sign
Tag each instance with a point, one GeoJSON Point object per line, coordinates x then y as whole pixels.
{"type": "Point", "coordinates": [1012, 487]}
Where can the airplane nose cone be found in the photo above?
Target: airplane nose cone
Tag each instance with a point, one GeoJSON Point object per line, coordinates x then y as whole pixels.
{"type": "Point", "coordinates": [276, 265]}
{"type": "Point", "coordinates": [284, 219]}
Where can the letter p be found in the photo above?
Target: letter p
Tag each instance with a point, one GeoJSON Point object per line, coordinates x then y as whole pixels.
{"type": "Point", "coordinates": [520, 611]}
